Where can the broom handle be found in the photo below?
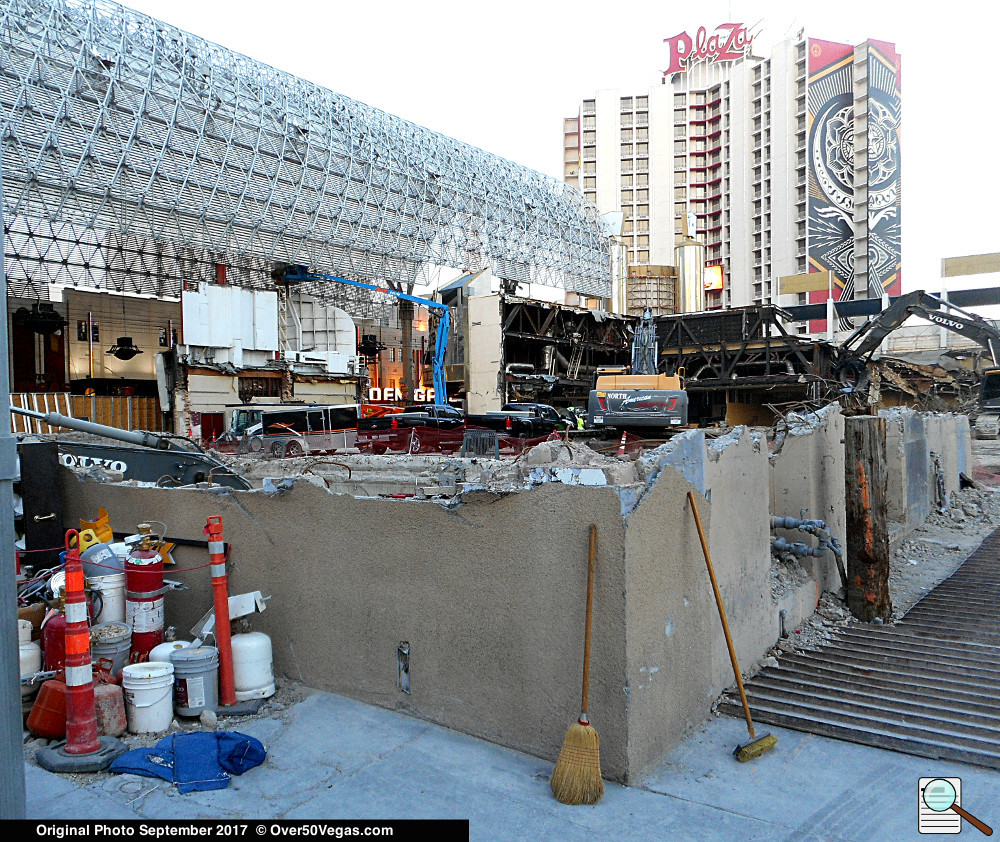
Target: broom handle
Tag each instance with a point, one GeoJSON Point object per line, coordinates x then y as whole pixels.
{"type": "Point", "coordinates": [591, 566]}
{"type": "Point", "coordinates": [722, 614]}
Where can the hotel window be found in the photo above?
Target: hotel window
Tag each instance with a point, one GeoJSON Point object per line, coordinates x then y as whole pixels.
{"type": "Point", "coordinates": [626, 135]}
{"type": "Point", "coordinates": [642, 196]}
{"type": "Point", "coordinates": [626, 150]}
{"type": "Point", "coordinates": [626, 181]}
{"type": "Point", "coordinates": [626, 197]}
{"type": "Point", "coordinates": [590, 183]}
{"type": "Point", "coordinates": [642, 149]}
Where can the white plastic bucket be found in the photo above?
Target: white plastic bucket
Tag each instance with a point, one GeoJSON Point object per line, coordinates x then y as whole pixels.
{"type": "Point", "coordinates": [149, 690]}
{"type": "Point", "coordinates": [112, 588]}
{"type": "Point", "coordinates": [253, 668]}
{"type": "Point", "coordinates": [196, 679]}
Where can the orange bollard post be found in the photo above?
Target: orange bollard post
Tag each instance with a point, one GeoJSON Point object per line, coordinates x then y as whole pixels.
{"type": "Point", "coordinates": [81, 718]}
{"type": "Point", "coordinates": [220, 592]}
{"type": "Point", "coordinates": [84, 750]}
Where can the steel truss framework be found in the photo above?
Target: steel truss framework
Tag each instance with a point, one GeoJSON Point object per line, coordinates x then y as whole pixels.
{"type": "Point", "coordinates": [137, 156]}
{"type": "Point", "coordinates": [740, 348]}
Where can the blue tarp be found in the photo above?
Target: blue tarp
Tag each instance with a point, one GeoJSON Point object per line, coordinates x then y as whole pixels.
{"type": "Point", "coordinates": [195, 761]}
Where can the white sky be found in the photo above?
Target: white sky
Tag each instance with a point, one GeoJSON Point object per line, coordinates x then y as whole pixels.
{"type": "Point", "coordinates": [502, 75]}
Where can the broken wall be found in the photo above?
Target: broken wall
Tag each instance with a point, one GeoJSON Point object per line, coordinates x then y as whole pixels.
{"type": "Point", "coordinates": [925, 454]}
{"type": "Point", "coordinates": [485, 350]}
{"type": "Point", "coordinates": [808, 473]}
{"type": "Point", "coordinates": [677, 658]}
{"type": "Point", "coordinates": [490, 595]}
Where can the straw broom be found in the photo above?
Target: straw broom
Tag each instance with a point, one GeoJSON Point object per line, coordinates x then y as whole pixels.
{"type": "Point", "coordinates": [576, 778]}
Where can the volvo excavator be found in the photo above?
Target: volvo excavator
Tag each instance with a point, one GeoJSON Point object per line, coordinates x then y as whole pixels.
{"type": "Point", "coordinates": [856, 351]}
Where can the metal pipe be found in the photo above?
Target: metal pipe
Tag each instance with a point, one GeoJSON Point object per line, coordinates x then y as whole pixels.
{"type": "Point", "coordinates": [54, 419]}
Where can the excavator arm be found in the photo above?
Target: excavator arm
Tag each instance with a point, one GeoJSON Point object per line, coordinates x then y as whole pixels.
{"type": "Point", "coordinates": [856, 351]}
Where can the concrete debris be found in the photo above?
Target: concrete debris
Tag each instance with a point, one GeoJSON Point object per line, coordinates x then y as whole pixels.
{"type": "Point", "coordinates": [802, 423]}
{"type": "Point", "coordinates": [786, 575]}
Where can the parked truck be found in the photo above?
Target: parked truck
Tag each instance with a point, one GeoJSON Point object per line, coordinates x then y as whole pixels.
{"type": "Point", "coordinates": [521, 420]}
{"type": "Point", "coordinates": [384, 433]}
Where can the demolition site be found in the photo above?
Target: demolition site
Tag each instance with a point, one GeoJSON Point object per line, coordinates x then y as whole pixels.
{"type": "Point", "coordinates": [340, 451]}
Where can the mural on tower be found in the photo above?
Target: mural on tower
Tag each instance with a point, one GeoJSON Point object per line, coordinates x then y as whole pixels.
{"type": "Point", "coordinates": [831, 156]}
{"type": "Point", "coordinates": [830, 150]}
{"type": "Point", "coordinates": [884, 193]}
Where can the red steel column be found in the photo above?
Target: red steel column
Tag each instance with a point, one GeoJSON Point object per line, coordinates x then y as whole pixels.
{"type": "Point", "coordinates": [220, 590]}
{"type": "Point", "coordinates": [81, 717]}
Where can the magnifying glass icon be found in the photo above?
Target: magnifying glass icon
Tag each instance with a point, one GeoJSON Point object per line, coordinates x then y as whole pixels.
{"type": "Point", "coordinates": [939, 795]}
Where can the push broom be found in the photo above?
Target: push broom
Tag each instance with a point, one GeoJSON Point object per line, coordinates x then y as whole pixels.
{"type": "Point", "coordinates": [757, 745]}
{"type": "Point", "coordinates": [576, 778]}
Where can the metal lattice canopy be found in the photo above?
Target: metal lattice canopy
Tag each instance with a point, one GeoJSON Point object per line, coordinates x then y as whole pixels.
{"type": "Point", "coordinates": [135, 155]}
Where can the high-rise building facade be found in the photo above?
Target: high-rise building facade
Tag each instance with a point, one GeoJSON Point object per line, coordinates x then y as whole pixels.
{"type": "Point", "coordinates": [779, 165]}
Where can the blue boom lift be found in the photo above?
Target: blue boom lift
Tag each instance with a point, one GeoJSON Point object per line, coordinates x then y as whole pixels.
{"type": "Point", "coordinates": [299, 274]}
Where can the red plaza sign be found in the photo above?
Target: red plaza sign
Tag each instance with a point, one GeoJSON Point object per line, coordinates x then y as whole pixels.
{"type": "Point", "coordinates": [729, 42]}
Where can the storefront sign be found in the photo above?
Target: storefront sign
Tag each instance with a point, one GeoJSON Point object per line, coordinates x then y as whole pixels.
{"type": "Point", "coordinates": [729, 42]}
{"type": "Point", "coordinates": [420, 395]}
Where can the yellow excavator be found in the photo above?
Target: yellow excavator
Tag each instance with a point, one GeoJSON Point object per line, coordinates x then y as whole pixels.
{"type": "Point", "coordinates": [639, 398]}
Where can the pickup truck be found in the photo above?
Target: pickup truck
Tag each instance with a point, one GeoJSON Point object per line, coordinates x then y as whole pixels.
{"type": "Point", "coordinates": [383, 434]}
{"type": "Point", "coordinates": [521, 420]}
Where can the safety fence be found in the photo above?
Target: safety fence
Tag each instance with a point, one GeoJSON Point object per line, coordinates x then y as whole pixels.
{"type": "Point", "coordinates": [126, 413]}
{"type": "Point", "coordinates": [427, 441]}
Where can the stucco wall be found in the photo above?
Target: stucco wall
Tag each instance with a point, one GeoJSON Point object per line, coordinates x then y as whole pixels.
{"type": "Point", "coordinates": [490, 596]}
{"type": "Point", "coordinates": [677, 657]}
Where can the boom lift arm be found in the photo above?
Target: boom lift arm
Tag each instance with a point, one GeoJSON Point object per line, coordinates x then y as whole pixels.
{"type": "Point", "coordinates": [857, 349]}
{"type": "Point", "coordinates": [300, 273]}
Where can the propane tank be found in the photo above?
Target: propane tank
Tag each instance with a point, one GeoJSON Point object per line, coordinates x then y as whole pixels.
{"type": "Point", "coordinates": [144, 595]}
{"type": "Point", "coordinates": [30, 654]}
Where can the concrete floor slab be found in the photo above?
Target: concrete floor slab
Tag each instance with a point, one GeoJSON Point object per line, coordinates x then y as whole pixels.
{"type": "Point", "coordinates": [336, 758]}
{"type": "Point", "coordinates": [819, 787]}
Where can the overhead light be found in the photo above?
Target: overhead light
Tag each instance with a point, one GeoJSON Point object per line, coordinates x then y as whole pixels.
{"type": "Point", "coordinates": [124, 348]}
{"type": "Point", "coordinates": [41, 318]}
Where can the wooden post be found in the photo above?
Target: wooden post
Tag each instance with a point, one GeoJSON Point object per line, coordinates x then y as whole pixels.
{"type": "Point", "coordinates": [867, 519]}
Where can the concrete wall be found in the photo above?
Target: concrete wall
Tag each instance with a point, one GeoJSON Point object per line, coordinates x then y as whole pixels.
{"type": "Point", "coordinates": [490, 595]}
{"type": "Point", "coordinates": [808, 473]}
{"type": "Point", "coordinates": [485, 348]}
{"type": "Point", "coordinates": [678, 663]}
{"type": "Point", "coordinates": [919, 448]}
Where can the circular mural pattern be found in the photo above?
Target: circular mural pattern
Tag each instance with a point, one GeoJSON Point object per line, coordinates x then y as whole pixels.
{"type": "Point", "coordinates": [832, 152]}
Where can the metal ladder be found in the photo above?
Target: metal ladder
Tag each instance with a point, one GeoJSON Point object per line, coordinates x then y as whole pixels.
{"type": "Point", "coordinates": [573, 369]}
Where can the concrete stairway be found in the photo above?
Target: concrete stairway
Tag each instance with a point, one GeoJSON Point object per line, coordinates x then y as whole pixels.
{"type": "Point", "coordinates": [929, 685]}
